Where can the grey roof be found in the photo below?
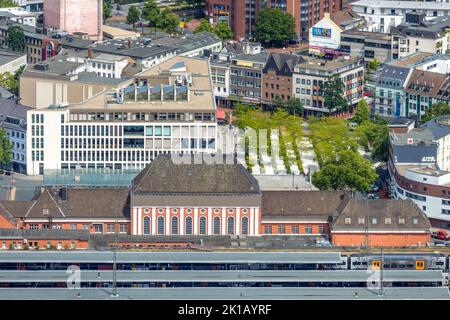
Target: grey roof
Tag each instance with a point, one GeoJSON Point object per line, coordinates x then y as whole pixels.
{"type": "Point", "coordinates": [283, 63]}
{"type": "Point", "coordinates": [223, 276]}
{"type": "Point", "coordinates": [8, 56]}
{"type": "Point", "coordinates": [432, 29]}
{"type": "Point", "coordinates": [420, 136]}
{"type": "Point", "coordinates": [10, 108]}
{"type": "Point", "coordinates": [413, 153]}
{"type": "Point", "coordinates": [75, 42]}
{"type": "Point", "coordinates": [164, 176]}
{"type": "Point", "coordinates": [50, 234]}
{"type": "Point", "coordinates": [188, 42]}
{"type": "Point", "coordinates": [28, 30]}
{"type": "Point", "coordinates": [224, 293]}
{"type": "Point", "coordinates": [132, 48]}
{"type": "Point", "coordinates": [393, 77]}
{"type": "Point", "coordinates": [4, 93]}
{"type": "Point", "coordinates": [171, 257]}
{"type": "Point", "coordinates": [400, 121]}
{"type": "Point", "coordinates": [439, 127]}
{"type": "Point", "coordinates": [259, 57]}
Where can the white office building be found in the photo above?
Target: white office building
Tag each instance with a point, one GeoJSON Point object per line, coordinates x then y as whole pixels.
{"type": "Point", "coordinates": [169, 108]}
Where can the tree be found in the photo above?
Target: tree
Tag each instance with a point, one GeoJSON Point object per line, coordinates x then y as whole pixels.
{"type": "Point", "coordinates": [7, 3]}
{"type": "Point", "coordinates": [294, 106]}
{"type": "Point", "coordinates": [362, 112]}
{"type": "Point", "coordinates": [223, 31]}
{"type": "Point", "coordinates": [5, 148]}
{"type": "Point", "coordinates": [275, 27]}
{"type": "Point", "coordinates": [436, 110]}
{"type": "Point", "coordinates": [107, 13]}
{"type": "Point", "coordinates": [9, 82]}
{"type": "Point", "coordinates": [168, 21]}
{"type": "Point", "coordinates": [348, 170]}
{"type": "Point", "coordinates": [373, 65]}
{"type": "Point", "coordinates": [204, 26]}
{"type": "Point", "coordinates": [16, 39]}
{"type": "Point", "coordinates": [151, 12]}
{"type": "Point", "coordinates": [133, 15]}
{"type": "Point", "coordinates": [333, 93]}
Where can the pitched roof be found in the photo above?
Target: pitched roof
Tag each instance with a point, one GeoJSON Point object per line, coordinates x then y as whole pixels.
{"type": "Point", "coordinates": [283, 63]}
{"type": "Point", "coordinates": [164, 176]}
{"type": "Point", "coordinates": [425, 83]}
{"type": "Point", "coordinates": [380, 215]}
{"type": "Point", "coordinates": [439, 127]}
{"type": "Point", "coordinates": [300, 204]}
{"type": "Point", "coordinates": [72, 203]}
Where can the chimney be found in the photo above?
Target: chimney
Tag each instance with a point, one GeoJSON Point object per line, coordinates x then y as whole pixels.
{"type": "Point", "coordinates": [129, 44]}
{"type": "Point", "coordinates": [12, 193]}
{"type": "Point", "coordinates": [246, 47]}
{"type": "Point", "coordinates": [90, 53]}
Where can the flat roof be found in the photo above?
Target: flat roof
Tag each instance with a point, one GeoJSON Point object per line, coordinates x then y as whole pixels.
{"type": "Point", "coordinates": [222, 276]}
{"type": "Point", "coordinates": [223, 293]}
{"type": "Point", "coordinates": [171, 257]}
{"type": "Point", "coordinates": [414, 5]}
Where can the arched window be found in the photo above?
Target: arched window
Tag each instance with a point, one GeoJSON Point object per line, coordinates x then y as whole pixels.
{"type": "Point", "coordinates": [230, 225]}
{"type": "Point", "coordinates": [202, 225]}
{"type": "Point", "coordinates": [188, 225]}
{"type": "Point", "coordinates": [146, 225]}
{"type": "Point", "coordinates": [216, 225]}
{"type": "Point", "coordinates": [174, 225]}
{"type": "Point", "coordinates": [244, 225]}
{"type": "Point", "coordinates": [160, 225]}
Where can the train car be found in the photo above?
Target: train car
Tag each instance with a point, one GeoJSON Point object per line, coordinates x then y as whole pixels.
{"type": "Point", "coordinates": [399, 261]}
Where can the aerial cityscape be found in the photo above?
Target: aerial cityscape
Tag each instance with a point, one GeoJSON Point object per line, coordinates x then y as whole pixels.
{"type": "Point", "coordinates": [224, 150]}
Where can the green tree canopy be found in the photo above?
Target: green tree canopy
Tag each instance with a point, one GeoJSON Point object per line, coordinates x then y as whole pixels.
{"type": "Point", "coordinates": [348, 171]}
{"type": "Point", "coordinates": [436, 110]}
{"type": "Point", "coordinates": [333, 93]}
{"type": "Point", "coordinates": [362, 112]}
{"type": "Point", "coordinates": [7, 3]}
{"type": "Point", "coordinates": [107, 13]}
{"type": "Point", "coordinates": [151, 12]}
{"type": "Point", "coordinates": [275, 27]}
{"type": "Point", "coordinates": [223, 31]}
{"type": "Point", "coordinates": [374, 65]}
{"type": "Point", "coordinates": [204, 26]}
{"type": "Point", "coordinates": [5, 147]}
{"type": "Point", "coordinates": [168, 21]}
{"type": "Point", "coordinates": [293, 106]}
{"type": "Point", "coordinates": [16, 39]}
{"type": "Point", "coordinates": [133, 15]}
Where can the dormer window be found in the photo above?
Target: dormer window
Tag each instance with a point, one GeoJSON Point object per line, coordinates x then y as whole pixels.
{"type": "Point", "coordinates": [348, 220]}
{"type": "Point", "coordinates": [401, 220]}
{"type": "Point", "coordinates": [387, 221]}
{"type": "Point", "coordinates": [361, 220]}
{"type": "Point", "coordinates": [374, 221]}
{"type": "Point", "coordinates": [45, 212]}
{"type": "Point", "coordinates": [415, 221]}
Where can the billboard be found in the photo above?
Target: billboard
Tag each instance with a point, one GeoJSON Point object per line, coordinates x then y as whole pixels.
{"type": "Point", "coordinates": [321, 32]}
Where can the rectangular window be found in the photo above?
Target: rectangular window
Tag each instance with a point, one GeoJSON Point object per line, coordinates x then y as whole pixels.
{"type": "Point", "coordinates": [295, 230]}
{"type": "Point", "coordinates": [267, 229]}
{"type": "Point", "coordinates": [158, 131]}
{"type": "Point", "coordinates": [281, 230]}
{"type": "Point", "coordinates": [308, 230]}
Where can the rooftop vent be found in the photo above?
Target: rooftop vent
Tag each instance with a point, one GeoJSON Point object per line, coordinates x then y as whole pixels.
{"type": "Point", "coordinates": [41, 66]}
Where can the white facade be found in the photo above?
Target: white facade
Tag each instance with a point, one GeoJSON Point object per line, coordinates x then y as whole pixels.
{"type": "Point", "coordinates": [20, 15]}
{"type": "Point", "coordinates": [435, 63]}
{"type": "Point", "coordinates": [18, 139]}
{"type": "Point", "coordinates": [325, 34]}
{"type": "Point", "coordinates": [381, 15]}
{"type": "Point", "coordinates": [106, 66]}
{"type": "Point", "coordinates": [13, 65]}
{"type": "Point", "coordinates": [220, 76]}
{"type": "Point", "coordinates": [58, 141]}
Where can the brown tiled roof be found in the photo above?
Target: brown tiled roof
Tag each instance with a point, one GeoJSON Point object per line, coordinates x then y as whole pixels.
{"type": "Point", "coordinates": [300, 204]}
{"type": "Point", "coordinates": [79, 203]}
{"type": "Point", "coordinates": [380, 209]}
{"type": "Point", "coordinates": [344, 15]}
{"type": "Point", "coordinates": [425, 83]}
{"type": "Point", "coordinates": [163, 176]}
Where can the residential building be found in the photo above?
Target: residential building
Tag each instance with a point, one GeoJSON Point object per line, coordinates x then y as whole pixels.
{"type": "Point", "coordinates": [417, 34]}
{"type": "Point", "coordinates": [220, 77]}
{"type": "Point", "coordinates": [347, 19]}
{"type": "Point", "coordinates": [422, 91]}
{"type": "Point", "coordinates": [325, 37]}
{"type": "Point", "coordinates": [110, 32]}
{"type": "Point", "coordinates": [241, 15]}
{"type": "Point", "coordinates": [390, 96]}
{"type": "Point", "coordinates": [11, 61]}
{"type": "Point", "coordinates": [18, 15]}
{"type": "Point", "coordinates": [75, 16]}
{"type": "Point", "coordinates": [310, 75]}
{"type": "Point", "coordinates": [168, 108]}
{"type": "Point", "coordinates": [418, 166]}
{"type": "Point", "coordinates": [67, 79]}
{"type": "Point", "coordinates": [277, 76]}
{"type": "Point", "coordinates": [382, 15]}
{"type": "Point", "coordinates": [246, 74]}
{"type": "Point", "coordinates": [366, 44]}
{"type": "Point", "coordinates": [13, 117]}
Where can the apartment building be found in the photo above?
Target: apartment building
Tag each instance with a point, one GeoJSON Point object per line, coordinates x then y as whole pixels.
{"type": "Point", "coordinates": [277, 76]}
{"type": "Point", "coordinates": [168, 108]}
{"type": "Point", "coordinates": [242, 15]}
{"type": "Point", "coordinates": [390, 96]}
{"type": "Point", "coordinates": [220, 77]}
{"type": "Point", "coordinates": [418, 34]}
{"type": "Point", "coordinates": [366, 44]}
{"type": "Point", "coordinates": [325, 37]}
{"type": "Point", "coordinates": [418, 166]}
{"type": "Point", "coordinates": [246, 74]}
{"type": "Point", "coordinates": [310, 75]}
{"type": "Point", "coordinates": [422, 91]}
{"type": "Point", "coordinates": [382, 15]}
{"type": "Point", "coordinates": [18, 15]}
{"type": "Point", "coordinates": [13, 117]}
